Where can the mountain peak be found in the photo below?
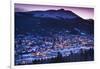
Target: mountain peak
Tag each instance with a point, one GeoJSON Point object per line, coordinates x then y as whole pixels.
{"type": "Point", "coordinates": [64, 10]}
{"type": "Point", "coordinates": [61, 9]}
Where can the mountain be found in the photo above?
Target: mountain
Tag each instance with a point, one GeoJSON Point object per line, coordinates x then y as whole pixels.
{"type": "Point", "coordinates": [52, 21]}
{"type": "Point", "coordinates": [56, 14]}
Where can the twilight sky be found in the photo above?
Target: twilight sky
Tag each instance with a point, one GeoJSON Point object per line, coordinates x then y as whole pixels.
{"type": "Point", "coordinates": [86, 13]}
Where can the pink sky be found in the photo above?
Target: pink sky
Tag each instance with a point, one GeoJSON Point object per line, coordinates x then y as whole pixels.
{"type": "Point", "coordinates": [86, 13]}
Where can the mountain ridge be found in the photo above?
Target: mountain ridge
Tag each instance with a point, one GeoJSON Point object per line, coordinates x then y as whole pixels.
{"type": "Point", "coordinates": [47, 20]}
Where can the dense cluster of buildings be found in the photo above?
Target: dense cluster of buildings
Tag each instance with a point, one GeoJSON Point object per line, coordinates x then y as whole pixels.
{"type": "Point", "coordinates": [32, 47]}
